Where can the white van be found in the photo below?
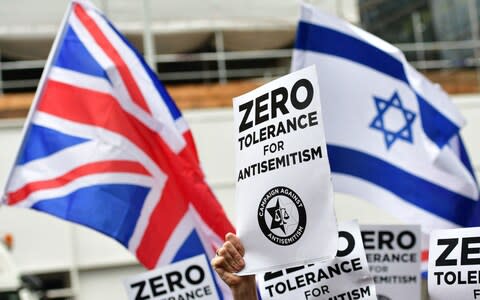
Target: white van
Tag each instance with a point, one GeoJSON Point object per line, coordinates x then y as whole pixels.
{"type": "Point", "coordinates": [10, 284]}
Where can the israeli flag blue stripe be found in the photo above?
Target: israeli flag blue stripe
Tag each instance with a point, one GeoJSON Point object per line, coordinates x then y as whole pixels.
{"type": "Point", "coordinates": [172, 107]}
{"type": "Point", "coordinates": [83, 207]}
{"type": "Point", "coordinates": [73, 55]}
{"type": "Point", "coordinates": [438, 128]}
{"type": "Point", "coordinates": [465, 159]}
{"type": "Point", "coordinates": [43, 141]}
{"type": "Point", "coordinates": [417, 191]}
{"type": "Point", "coordinates": [324, 40]}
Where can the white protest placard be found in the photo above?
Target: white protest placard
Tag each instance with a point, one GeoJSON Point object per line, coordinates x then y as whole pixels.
{"type": "Point", "coordinates": [344, 277]}
{"type": "Point", "coordinates": [284, 195]}
{"type": "Point", "coordinates": [188, 279]}
{"type": "Point", "coordinates": [454, 264]}
{"type": "Point", "coordinates": [393, 256]}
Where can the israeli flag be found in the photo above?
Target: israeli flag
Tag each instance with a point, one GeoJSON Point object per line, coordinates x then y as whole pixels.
{"type": "Point", "coordinates": [393, 136]}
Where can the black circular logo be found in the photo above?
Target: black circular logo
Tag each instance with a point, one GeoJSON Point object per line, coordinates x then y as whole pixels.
{"type": "Point", "coordinates": [282, 216]}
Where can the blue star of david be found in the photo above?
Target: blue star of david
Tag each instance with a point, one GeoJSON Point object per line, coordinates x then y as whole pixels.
{"type": "Point", "coordinates": [379, 122]}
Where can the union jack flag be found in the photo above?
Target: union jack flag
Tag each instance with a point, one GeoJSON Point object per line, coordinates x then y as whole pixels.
{"type": "Point", "coordinates": [106, 147]}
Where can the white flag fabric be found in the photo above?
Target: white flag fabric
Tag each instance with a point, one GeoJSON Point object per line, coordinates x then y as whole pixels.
{"type": "Point", "coordinates": [392, 136]}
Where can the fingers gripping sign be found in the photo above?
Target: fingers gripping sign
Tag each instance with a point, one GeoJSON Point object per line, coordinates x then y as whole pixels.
{"type": "Point", "coordinates": [228, 261]}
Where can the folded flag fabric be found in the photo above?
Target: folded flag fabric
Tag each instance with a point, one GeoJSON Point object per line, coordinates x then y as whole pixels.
{"type": "Point", "coordinates": [392, 136]}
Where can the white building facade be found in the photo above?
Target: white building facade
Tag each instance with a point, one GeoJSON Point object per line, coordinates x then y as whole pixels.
{"type": "Point", "coordinates": [93, 266]}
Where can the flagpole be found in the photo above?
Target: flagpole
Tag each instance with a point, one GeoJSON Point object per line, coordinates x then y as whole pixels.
{"type": "Point", "coordinates": [38, 93]}
{"type": "Point", "coordinates": [148, 41]}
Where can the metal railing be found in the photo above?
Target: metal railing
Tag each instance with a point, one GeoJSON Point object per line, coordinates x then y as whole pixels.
{"type": "Point", "coordinates": [223, 73]}
{"type": "Point", "coordinates": [218, 61]}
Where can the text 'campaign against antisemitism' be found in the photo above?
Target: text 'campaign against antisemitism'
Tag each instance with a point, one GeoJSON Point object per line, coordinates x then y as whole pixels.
{"type": "Point", "coordinates": [393, 256]}
{"type": "Point", "coordinates": [346, 277]}
{"type": "Point", "coordinates": [284, 194]}
{"type": "Point", "coordinates": [454, 264]}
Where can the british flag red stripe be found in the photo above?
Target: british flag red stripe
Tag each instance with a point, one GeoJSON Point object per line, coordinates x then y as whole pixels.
{"type": "Point", "coordinates": [104, 134]}
{"type": "Point", "coordinates": [83, 106]}
{"type": "Point", "coordinates": [92, 168]}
